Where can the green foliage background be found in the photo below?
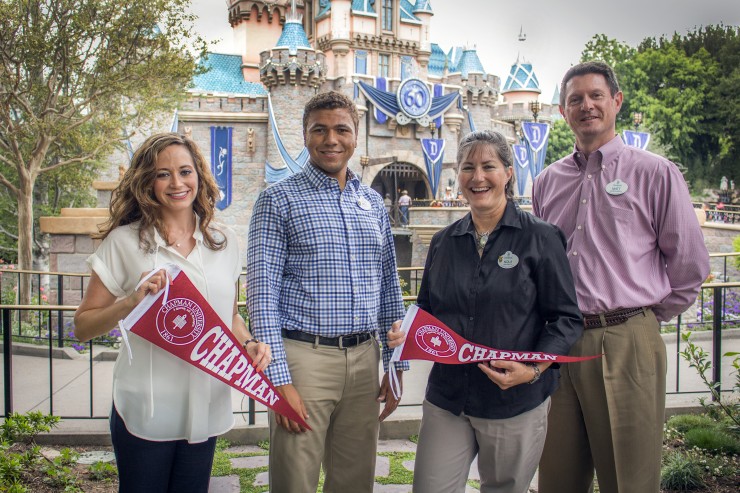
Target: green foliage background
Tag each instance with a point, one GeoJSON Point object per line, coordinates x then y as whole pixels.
{"type": "Point", "coordinates": [686, 87]}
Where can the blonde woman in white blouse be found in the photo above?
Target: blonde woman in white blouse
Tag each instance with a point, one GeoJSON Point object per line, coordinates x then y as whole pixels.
{"type": "Point", "coordinates": [166, 413]}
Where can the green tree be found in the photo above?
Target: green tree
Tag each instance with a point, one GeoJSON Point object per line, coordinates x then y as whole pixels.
{"type": "Point", "coordinates": [73, 74]}
{"type": "Point", "coordinates": [561, 141]}
{"type": "Point", "coordinates": [686, 88]}
{"type": "Point", "coordinates": [607, 50]}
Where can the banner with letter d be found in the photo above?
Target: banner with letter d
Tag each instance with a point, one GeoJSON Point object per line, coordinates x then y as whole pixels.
{"type": "Point", "coordinates": [636, 139]}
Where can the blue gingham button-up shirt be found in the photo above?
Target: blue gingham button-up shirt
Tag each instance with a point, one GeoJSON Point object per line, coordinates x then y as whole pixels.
{"type": "Point", "coordinates": [320, 260]}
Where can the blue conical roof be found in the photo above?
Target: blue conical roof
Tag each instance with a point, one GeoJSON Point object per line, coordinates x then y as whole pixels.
{"type": "Point", "coordinates": [437, 61]}
{"type": "Point", "coordinates": [423, 6]}
{"type": "Point", "coordinates": [521, 78]}
{"type": "Point", "coordinates": [293, 37]}
{"type": "Point", "coordinates": [407, 11]}
{"type": "Point", "coordinates": [556, 97]}
{"type": "Point", "coordinates": [469, 62]}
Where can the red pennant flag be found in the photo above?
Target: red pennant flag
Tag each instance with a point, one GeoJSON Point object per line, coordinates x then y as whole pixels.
{"type": "Point", "coordinates": [429, 339]}
{"type": "Point", "coordinates": [186, 326]}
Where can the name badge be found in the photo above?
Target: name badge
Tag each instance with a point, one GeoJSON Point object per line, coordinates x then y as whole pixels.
{"type": "Point", "coordinates": [617, 187]}
{"type": "Point", "coordinates": [363, 204]}
{"type": "Point", "coordinates": [508, 260]}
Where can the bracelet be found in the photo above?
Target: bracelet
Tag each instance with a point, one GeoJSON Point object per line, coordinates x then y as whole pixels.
{"type": "Point", "coordinates": [246, 343]}
{"type": "Point", "coordinates": [537, 372]}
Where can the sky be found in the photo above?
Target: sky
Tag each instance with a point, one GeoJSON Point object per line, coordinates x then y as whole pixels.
{"type": "Point", "coordinates": [556, 30]}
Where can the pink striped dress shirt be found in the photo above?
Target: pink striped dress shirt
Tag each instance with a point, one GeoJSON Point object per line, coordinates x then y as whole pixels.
{"type": "Point", "coordinates": [633, 237]}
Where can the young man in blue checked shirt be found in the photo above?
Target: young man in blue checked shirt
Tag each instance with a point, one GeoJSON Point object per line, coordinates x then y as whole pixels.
{"type": "Point", "coordinates": [321, 284]}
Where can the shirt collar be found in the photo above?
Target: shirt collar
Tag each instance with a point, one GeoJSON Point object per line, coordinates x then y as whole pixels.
{"type": "Point", "coordinates": [607, 153]}
{"type": "Point", "coordinates": [319, 179]}
{"type": "Point", "coordinates": [510, 219]}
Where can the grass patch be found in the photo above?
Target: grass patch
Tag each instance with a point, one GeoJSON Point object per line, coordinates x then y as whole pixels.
{"type": "Point", "coordinates": [685, 422]}
{"type": "Point", "coordinates": [713, 440]}
{"type": "Point", "coordinates": [398, 473]}
{"type": "Point", "coordinates": [681, 473]}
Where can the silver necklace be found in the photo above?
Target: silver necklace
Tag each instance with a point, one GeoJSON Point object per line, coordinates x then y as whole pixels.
{"type": "Point", "coordinates": [482, 238]}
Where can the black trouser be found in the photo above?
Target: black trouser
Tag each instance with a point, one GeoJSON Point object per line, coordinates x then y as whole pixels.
{"type": "Point", "coordinates": [145, 466]}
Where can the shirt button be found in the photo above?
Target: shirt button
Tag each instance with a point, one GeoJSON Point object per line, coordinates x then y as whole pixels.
{"type": "Point", "coordinates": [579, 226]}
{"type": "Point", "coordinates": [583, 201]}
{"type": "Point", "coordinates": [471, 318]}
{"type": "Point", "coordinates": [353, 257]}
{"type": "Point", "coordinates": [589, 177]}
{"type": "Point", "coordinates": [575, 253]}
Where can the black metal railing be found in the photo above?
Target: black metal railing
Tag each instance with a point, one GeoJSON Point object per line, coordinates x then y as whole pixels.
{"type": "Point", "coordinates": [717, 309]}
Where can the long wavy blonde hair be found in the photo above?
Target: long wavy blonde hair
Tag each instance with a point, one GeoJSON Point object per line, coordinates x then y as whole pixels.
{"type": "Point", "coordinates": [133, 200]}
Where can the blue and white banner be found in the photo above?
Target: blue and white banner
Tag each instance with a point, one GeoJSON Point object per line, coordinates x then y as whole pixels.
{"type": "Point", "coordinates": [536, 134]}
{"type": "Point", "coordinates": [636, 139]}
{"type": "Point", "coordinates": [521, 166]}
{"type": "Point", "coordinates": [434, 150]}
{"type": "Point", "coordinates": [381, 84]}
{"type": "Point", "coordinates": [221, 163]}
{"type": "Point", "coordinates": [438, 92]}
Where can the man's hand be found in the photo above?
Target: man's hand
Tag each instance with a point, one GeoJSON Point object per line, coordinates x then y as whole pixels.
{"type": "Point", "coordinates": [507, 374]}
{"type": "Point", "coordinates": [290, 394]}
{"type": "Point", "coordinates": [386, 395]}
{"type": "Point", "coordinates": [395, 336]}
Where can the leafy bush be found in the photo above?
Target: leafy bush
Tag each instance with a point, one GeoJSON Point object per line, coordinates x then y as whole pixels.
{"type": "Point", "coordinates": [680, 473]}
{"type": "Point", "coordinates": [103, 471]}
{"type": "Point", "coordinates": [685, 422]}
{"type": "Point", "coordinates": [713, 440]}
{"type": "Point", "coordinates": [25, 427]}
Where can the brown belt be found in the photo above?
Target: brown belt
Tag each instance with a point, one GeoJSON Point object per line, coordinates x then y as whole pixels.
{"type": "Point", "coordinates": [608, 319]}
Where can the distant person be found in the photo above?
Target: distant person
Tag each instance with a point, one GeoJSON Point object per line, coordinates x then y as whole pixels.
{"type": "Point", "coordinates": [638, 258]}
{"type": "Point", "coordinates": [166, 413]}
{"type": "Point", "coordinates": [448, 197]}
{"type": "Point", "coordinates": [404, 202]}
{"type": "Point", "coordinates": [321, 283]}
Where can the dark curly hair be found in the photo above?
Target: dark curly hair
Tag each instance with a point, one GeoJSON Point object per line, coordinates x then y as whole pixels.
{"type": "Point", "coordinates": [331, 100]}
{"type": "Point", "coordinates": [133, 200]}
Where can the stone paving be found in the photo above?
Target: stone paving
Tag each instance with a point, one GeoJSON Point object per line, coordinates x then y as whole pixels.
{"type": "Point", "coordinates": [230, 484]}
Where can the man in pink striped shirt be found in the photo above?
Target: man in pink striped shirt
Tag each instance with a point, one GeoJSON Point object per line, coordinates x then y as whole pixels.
{"type": "Point", "coordinates": [638, 258]}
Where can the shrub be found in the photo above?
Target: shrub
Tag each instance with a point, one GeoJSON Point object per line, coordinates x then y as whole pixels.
{"type": "Point", "coordinates": [680, 473]}
{"type": "Point", "coordinates": [103, 471]}
{"type": "Point", "coordinates": [713, 440]}
{"type": "Point", "coordinates": [685, 422]}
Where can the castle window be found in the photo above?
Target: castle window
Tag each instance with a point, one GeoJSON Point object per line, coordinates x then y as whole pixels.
{"type": "Point", "coordinates": [387, 14]}
{"type": "Point", "coordinates": [361, 62]}
{"type": "Point", "coordinates": [384, 65]}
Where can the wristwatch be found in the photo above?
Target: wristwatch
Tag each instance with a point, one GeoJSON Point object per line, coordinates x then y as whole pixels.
{"type": "Point", "coordinates": [537, 372]}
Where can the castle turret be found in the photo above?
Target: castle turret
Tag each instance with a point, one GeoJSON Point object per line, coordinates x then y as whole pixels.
{"type": "Point", "coordinates": [256, 26]}
{"type": "Point", "coordinates": [423, 11]}
{"type": "Point", "coordinates": [480, 90]}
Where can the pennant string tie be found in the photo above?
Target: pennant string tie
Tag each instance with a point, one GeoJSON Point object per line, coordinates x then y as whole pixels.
{"type": "Point", "coordinates": [122, 327]}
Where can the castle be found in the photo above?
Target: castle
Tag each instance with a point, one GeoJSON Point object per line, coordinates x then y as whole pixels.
{"type": "Point", "coordinates": [245, 110]}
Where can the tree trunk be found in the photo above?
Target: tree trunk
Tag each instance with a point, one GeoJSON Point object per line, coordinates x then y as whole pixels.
{"type": "Point", "coordinates": [25, 239]}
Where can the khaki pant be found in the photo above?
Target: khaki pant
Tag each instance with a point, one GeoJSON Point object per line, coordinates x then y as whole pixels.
{"type": "Point", "coordinates": [608, 413]}
{"type": "Point", "coordinates": [508, 450]}
{"type": "Point", "coordinates": [339, 388]}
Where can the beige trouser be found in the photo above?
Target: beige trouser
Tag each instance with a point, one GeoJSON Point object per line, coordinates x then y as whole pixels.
{"type": "Point", "coordinates": [608, 413]}
{"type": "Point", "coordinates": [339, 388]}
{"type": "Point", "coordinates": [508, 450]}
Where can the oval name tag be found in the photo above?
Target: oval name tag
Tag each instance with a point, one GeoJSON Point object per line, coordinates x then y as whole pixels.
{"type": "Point", "coordinates": [363, 204]}
{"type": "Point", "coordinates": [508, 260]}
{"type": "Point", "coordinates": [617, 187]}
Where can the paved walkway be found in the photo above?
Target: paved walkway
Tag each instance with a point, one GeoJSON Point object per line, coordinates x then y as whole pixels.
{"type": "Point", "coordinates": [255, 459]}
